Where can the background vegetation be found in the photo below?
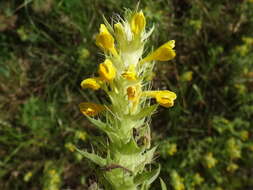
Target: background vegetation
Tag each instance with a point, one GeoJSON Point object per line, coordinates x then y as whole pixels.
{"type": "Point", "coordinates": [47, 48]}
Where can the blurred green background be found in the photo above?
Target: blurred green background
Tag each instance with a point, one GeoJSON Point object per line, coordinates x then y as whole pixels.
{"type": "Point", "coordinates": [47, 47]}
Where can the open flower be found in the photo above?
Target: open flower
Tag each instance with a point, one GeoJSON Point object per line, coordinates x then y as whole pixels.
{"type": "Point", "coordinates": [165, 97]}
{"type": "Point", "coordinates": [92, 83]}
{"type": "Point", "coordinates": [91, 109]}
{"type": "Point", "coordinates": [107, 71]}
{"type": "Point", "coordinates": [163, 53]}
{"type": "Point", "coordinates": [105, 40]}
{"type": "Point", "coordinates": [138, 23]}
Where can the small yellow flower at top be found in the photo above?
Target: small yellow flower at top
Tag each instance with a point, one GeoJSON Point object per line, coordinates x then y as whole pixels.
{"type": "Point", "coordinates": [138, 23]}
{"type": "Point", "coordinates": [105, 40]}
{"type": "Point", "coordinates": [92, 83]}
{"type": "Point", "coordinates": [107, 71]}
{"type": "Point", "coordinates": [165, 98]}
{"type": "Point", "coordinates": [91, 109]}
{"type": "Point", "coordinates": [163, 53]}
{"type": "Point", "coordinates": [130, 74]}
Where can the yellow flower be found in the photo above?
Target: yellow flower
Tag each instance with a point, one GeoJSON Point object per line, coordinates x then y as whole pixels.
{"type": "Point", "coordinates": [172, 149]}
{"type": "Point", "coordinates": [130, 74]}
{"type": "Point", "coordinates": [177, 181]}
{"type": "Point", "coordinates": [91, 109]}
{"type": "Point", "coordinates": [132, 93]}
{"type": "Point", "coordinates": [107, 71]}
{"type": "Point", "coordinates": [232, 167]}
{"type": "Point", "coordinates": [92, 83]}
{"type": "Point", "coordinates": [198, 179]}
{"type": "Point", "coordinates": [138, 23]}
{"type": "Point", "coordinates": [70, 147]}
{"type": "Point", "coordinates": [105, 40]}
{"type": "Point", "coordinates": [163, 53]}
{"type": "Point", "coordinates": [187, 76]}
{"type": "Point", "coordinates": [165, 98]}
{"type": "Point", "coordinates": [210, 160]}
{"type": "Point", "coordinates": [244, 135]}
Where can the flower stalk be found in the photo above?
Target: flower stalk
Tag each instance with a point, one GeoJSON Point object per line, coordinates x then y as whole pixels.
{"type": "Point", "coordinates": [125, 119]}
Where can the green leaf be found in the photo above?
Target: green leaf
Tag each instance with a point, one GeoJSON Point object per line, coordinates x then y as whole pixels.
{"type": "Point", "coordinates": [163, 185]}
{"type": "Point", "coordinates": [101, 125]}
{"type": "Point", "coordinates": [93, 157]}
{"type": "Point", "coordinates": [131, 147]}
{"type": "Point", "coordinates": [147, 177]}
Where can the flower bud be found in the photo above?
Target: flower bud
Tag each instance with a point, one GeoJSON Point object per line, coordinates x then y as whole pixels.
{"type": "Point", "coordinates": [90, 83]}
{"type": "Point", "coordinates": [138, 23]}
{"type": "Point", "coordinates": [91, 109]}
{"type": "Point", "coordinates": [163, 53]}
{"type": "Point", "coordinates": [107, 71]}
{"type": "Point", "coordinates": [105, 40]}
{"type": "Point", "coordinates": [119, 31]}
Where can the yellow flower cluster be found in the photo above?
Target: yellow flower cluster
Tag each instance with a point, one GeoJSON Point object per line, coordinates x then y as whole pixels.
{"type": "Point", "coordinates": [120, 75]}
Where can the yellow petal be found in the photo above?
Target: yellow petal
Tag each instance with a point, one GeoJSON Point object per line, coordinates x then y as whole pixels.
{"type": "Point", "coordinates": [105, 40]}
{"type": "Point", "coordinates": [138, 23]}
{"type": "Point", "coordinates": [130, 74]}
{"type": "Point", "coordinates": [163, 53]}
{"type": "Point", "coordinates": [132, 93]}
{"type": "Point", "coordinates": [107, 71]}
{"type": "Point", "coordinates": [165, 98]}
{"type": "Point", "coordinates": [92, 83]}
{"type": "Point", "coordinates": [91, 109]}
